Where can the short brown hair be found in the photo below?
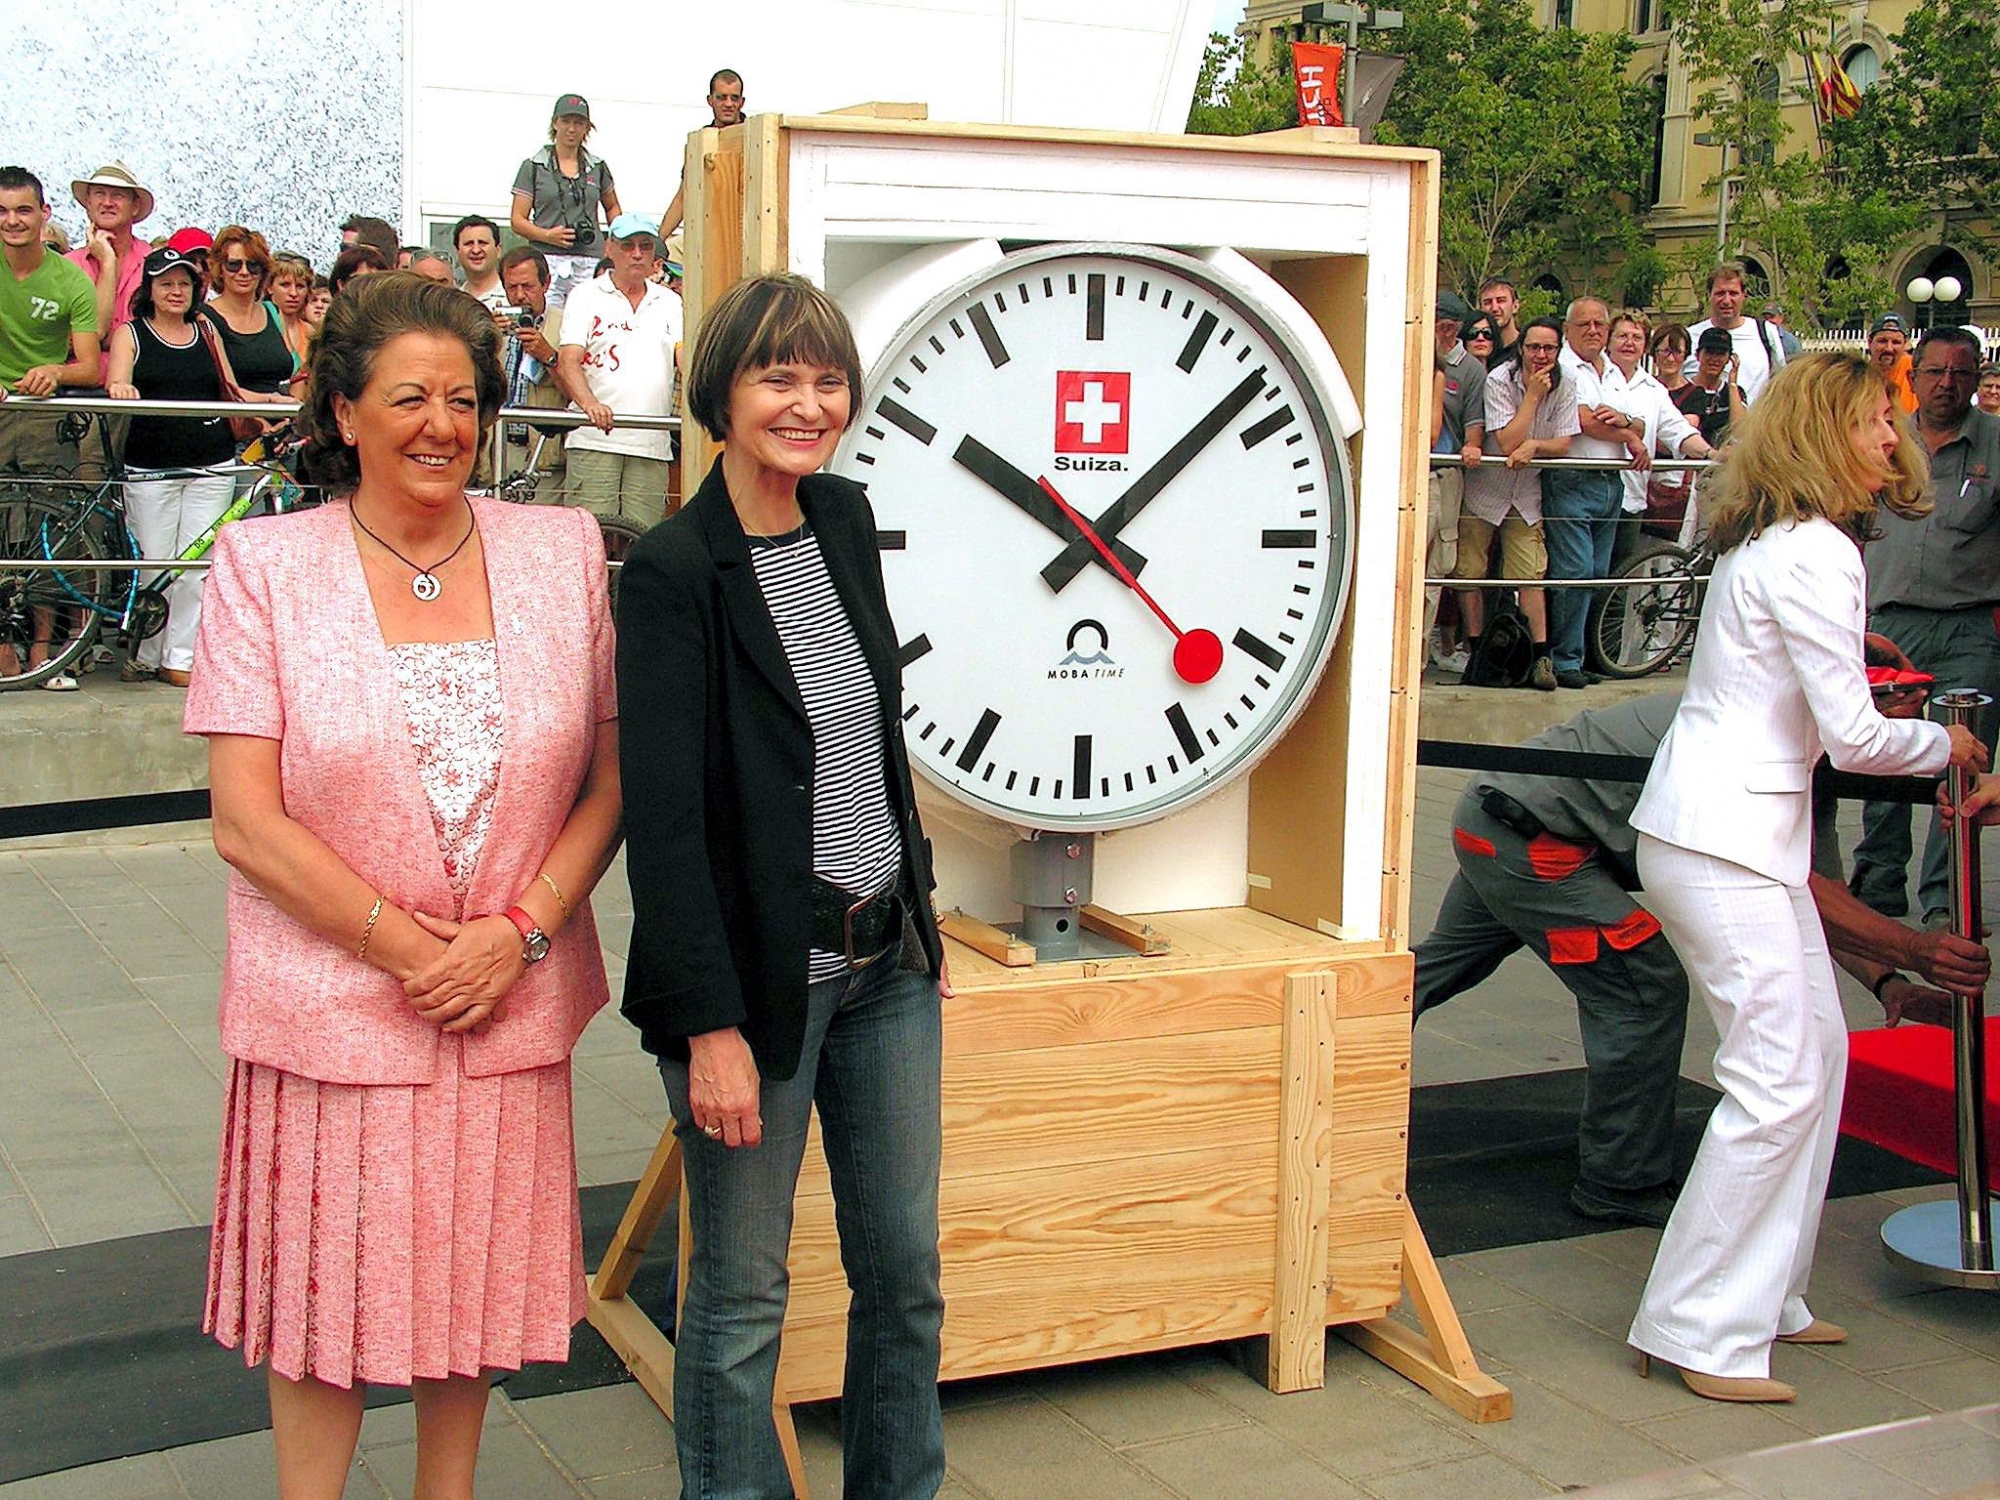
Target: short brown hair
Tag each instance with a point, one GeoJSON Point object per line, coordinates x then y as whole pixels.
{"type": "Point", "coordinates": [255, 250]}
{"type": "Point", "coordinates": [1791, 457]}
{"type": "Point", "coordinates": [358, 323]}
{"type": "Point", "coordinates": [767, 320]}
{"type": "Point", "coordinates": [1728, 270]}
{"type": "Point", "coordinates": [351, 262]}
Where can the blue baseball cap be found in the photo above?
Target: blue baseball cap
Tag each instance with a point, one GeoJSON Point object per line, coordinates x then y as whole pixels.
{"type": "Point", "coordinates": [625, 226]}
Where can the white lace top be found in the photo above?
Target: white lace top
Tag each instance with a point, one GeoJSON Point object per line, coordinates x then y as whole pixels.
{"type": "Point", "coordinates": [451, 692]}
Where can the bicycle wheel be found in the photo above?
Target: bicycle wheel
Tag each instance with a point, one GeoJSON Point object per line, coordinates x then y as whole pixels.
{"type": "Point", "coordinates": [1642, 624]}
{"type": "Point", "coordinates": [619, 535]}
{"type": "Point", "coordinates": [63, 609]}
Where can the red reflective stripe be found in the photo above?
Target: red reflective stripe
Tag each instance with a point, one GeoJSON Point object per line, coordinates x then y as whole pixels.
{"type": "Point", "coordinates": [1572, 945]}
{"type": "Point", "coordinates": [1552, 858]}
{"type": "Point", "coordinates": [1633, 930]}
{"type": "Point", "coordinates": [1472, 843]}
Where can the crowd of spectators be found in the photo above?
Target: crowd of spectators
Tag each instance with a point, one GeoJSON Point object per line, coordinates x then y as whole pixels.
{"type": "Point", "coordinates": [68, 315]}
{"type": "Point", "coordinates": [1615, 387]}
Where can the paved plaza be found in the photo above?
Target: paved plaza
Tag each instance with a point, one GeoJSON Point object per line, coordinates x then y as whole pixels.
{"type": "Point", "coordinates": [110, 1090]}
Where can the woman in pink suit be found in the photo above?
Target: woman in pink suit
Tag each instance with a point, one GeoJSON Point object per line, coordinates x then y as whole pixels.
{"type": "Point", "coordinates": [413, 753]}
{"type": "Point", "coordinates": [1724, 847]}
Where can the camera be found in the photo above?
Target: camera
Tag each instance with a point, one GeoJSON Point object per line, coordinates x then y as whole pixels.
{"type": "Point", "coordinates": [585, 234]}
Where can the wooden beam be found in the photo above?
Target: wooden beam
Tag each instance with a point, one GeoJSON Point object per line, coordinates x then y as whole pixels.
{"type": "Point", "coordinates": [1297, 1350]}
{"type": "Point", "coordinates": [879, 109]}
{"type": "Point", "coordinates": [1138, 935]}
{"type": "Point", "coordinates": [984, 937]}
{"type": "Point", "coordinates": [657, 1187]}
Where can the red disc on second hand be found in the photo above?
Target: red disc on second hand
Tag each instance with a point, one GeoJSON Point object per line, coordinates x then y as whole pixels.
{"type": "Point", "coordinates": [1198, 655]}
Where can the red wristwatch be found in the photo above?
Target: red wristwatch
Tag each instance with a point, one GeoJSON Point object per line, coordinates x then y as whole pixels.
{"type": "Point", "coordinates": [534, 941]}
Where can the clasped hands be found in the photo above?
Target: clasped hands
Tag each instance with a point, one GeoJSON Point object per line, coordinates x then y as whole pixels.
{"type": "Point", "coordinates": [464, 988]}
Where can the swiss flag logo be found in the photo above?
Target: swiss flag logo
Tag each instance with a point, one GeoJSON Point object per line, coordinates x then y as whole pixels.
{"type": "Point", "coordinates": [1093, 411]}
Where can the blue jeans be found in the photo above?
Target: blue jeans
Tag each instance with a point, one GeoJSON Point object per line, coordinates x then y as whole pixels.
{"type": "Point", "coordinates": [871, 1061]}
{"type": "Point", "coordinates": [1580, 509]}
{"type": "Point", "coordinates": [1961, 648]}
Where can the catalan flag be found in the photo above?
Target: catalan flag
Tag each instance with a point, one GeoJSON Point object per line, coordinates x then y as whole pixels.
{"type": "Point", "coordinates": [1842, 100]}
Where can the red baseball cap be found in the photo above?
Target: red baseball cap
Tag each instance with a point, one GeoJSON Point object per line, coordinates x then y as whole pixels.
{"type": "Point", "coordinates": [190, 239]}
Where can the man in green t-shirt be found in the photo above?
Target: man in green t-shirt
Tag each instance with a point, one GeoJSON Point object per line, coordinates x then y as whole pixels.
{"type": "Point", "coordinates": [48, 340]}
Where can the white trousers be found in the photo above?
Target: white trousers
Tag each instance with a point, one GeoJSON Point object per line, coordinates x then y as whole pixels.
{"type": "Point", "coordinates": [164, 516]}
{"type": "Point", "coordinates": [1732, 1266]}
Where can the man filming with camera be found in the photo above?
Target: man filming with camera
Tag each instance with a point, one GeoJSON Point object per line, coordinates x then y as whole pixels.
{"type": "Point", "coordinates": [620, 337]}
{"type": "Point", "coordinates": [531, 335]}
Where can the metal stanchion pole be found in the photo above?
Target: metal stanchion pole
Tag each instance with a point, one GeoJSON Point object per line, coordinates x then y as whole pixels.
{"type": "Point", "coordinates": [1952, 1242]}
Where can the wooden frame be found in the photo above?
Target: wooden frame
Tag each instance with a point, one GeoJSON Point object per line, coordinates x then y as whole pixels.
{"type": "Point", "coordinates": [1205, 1139]}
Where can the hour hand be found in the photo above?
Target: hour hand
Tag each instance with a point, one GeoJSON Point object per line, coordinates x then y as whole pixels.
{"type": "Point", "coordinates": [1010, 483]}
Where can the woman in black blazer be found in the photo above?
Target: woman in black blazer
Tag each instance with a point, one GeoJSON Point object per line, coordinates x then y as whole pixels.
{"type": "Point", "coordinates": [784, 951]}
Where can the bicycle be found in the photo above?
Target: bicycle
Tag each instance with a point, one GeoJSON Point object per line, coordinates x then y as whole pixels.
{"type": "Point", "coordinates": [72, 605]}
{"type": "Point", "coordinates": [619, 533]}
{"type": "Point", "coordinates": [1644, 624]}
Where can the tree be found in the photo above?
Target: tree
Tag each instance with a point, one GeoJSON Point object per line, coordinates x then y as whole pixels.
{"type": "Point", "coordinates": [1544, 140]}
{"type": "Point", "coordinates": [1236, 95]}
{"type": "Point", "coordinates": [1929, 124]}
{"type": "Point", "coordinates": [1823, 232]}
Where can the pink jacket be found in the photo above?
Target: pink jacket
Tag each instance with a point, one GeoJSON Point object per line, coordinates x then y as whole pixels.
{"type": "Point", "coordinates": [290, 650]}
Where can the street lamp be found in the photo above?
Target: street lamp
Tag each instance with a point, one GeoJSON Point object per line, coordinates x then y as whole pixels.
{"type": "Point", "coordinates": [1929, 295]}
{"type": "Point", "coordinates": [1356, 18]}
{"type": "Point", "coordinates": [1710, 138]}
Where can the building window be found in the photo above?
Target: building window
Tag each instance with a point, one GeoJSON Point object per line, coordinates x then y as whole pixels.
{"type": "Point", "coordinates": [1655, 181]}
{"type": "Point", "coordinates": [1756, 280]}
{"type": "Point", "coordinates": [1642, 19]}
{"type": "Point", "coordinates": [1862, 67]}
{"type": "Point", "coordinates": [1565, 14]}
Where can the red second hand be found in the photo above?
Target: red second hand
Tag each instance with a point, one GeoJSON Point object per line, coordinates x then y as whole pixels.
{"type": "Point", "coordinates": [1197, 653]}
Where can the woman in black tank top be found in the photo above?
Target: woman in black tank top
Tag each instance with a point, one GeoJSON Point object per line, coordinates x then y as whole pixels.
{"type": "Point", "coordinates": [174, 493]}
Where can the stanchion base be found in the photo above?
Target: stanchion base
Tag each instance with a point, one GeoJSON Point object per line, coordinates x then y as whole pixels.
{"type": "Point", "coordinates": [1923, 1239]}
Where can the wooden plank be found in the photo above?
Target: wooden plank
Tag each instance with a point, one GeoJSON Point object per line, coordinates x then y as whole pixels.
{"type": "Point", "coordinates": [1250, 145]}
{"type": "Point", "coordinates": [1173, 1222]}
{"type": "Point", "coordinates": [1107, 1007]}
{"type": "Point", "coordinates": [1134, 932]}
{"type": "Point", "coordinates": [712, 184]}
{"type": "Point", "coordinates": [984, 938]}
{"type": "Point", "coordinates": [878, 109]}
{"type": "Point", "coordinates": [1371, 1081]}
{"type": "Point", "coordinates": [990, 1335]}
{"type": "Point", "coordinates": [1363, 1280]}
{"type": "Point", "coordinates": [658, 1186]}
{"type": "Point", "coordinates": [1477, 1397]}
{"type": "Point", "coordinates": [1378, 986]}
{"type": "Point", "coordinates": [765, 180]}
{"type": "Point", "coordinates": [1297, 1346]}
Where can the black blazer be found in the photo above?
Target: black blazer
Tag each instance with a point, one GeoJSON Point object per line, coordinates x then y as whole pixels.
{"type": "Point", "coordinates": [716, 758]}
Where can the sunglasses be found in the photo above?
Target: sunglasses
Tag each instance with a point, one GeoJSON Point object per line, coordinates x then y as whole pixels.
{"type": "Point", "coordinates": [237, 267]}
{"type": "Point", "coordinates": [1477, 334]}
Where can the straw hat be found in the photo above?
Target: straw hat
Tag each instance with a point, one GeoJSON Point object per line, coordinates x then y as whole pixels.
{"type": "Point", "coordinates": [114, 174]}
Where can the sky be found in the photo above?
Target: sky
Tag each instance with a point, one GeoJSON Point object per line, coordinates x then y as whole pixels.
{"type": "Point", "coordinates": [1227, 14]}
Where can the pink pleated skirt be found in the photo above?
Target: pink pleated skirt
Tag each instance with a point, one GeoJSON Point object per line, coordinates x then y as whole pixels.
{"type": "Point", "coordinates": [387, 1233]}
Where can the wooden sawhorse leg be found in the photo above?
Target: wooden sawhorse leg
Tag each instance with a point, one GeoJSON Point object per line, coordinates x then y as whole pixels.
{"type": "Point", "coordinates": [633, 1336]}
{"type": "Point", "coordinates": [1439, 1357]}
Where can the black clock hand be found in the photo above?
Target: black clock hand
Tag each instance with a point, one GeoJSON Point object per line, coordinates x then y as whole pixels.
{"type": "Point", "coordinates": [1148, 485]}
{"type": "Point", "coordinates": [1010, 483]}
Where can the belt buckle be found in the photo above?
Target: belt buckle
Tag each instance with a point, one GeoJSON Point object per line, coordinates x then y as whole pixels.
{"type": "Point", "coordinates": [847, 934]}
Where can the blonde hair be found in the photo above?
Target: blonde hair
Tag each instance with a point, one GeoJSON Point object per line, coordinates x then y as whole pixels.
{"type": "Point", "coordinates": [1792, 456]}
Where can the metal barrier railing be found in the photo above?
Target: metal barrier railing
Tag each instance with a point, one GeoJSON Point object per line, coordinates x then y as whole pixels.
{"type": "Point", "coordinates": [543, 416]}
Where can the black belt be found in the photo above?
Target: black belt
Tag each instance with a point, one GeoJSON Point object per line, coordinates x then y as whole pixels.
{"type": "Point", "coordinates": [859, 928]}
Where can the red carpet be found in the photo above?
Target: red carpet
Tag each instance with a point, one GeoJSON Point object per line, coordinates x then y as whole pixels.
{"type": "Point", "coordinates": [1899, 1095]}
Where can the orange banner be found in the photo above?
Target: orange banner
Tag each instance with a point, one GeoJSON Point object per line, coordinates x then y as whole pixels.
{"type": "Point", "coordinates": [1316, 72]}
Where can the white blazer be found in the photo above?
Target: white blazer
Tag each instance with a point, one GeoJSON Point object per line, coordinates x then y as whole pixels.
{"type": "Point", "coordinates": [1777, 678]}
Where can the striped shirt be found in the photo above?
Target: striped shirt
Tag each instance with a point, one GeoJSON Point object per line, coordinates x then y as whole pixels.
{"type": "Point", "coordinates": [857, 844]}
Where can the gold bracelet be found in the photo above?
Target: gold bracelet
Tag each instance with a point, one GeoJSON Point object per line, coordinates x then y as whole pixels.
{"type": "Point", "coordinates": [556, 891]}
{"type": "Point", "coordinates": [368, 928]}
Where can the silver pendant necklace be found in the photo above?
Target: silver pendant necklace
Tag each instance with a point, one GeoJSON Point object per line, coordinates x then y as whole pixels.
{"type": "Point", "coordinates": [425, 585]}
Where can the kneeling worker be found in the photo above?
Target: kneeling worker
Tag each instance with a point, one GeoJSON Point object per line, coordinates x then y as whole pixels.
{"type": "Point", "coordinates": [1547, 863]}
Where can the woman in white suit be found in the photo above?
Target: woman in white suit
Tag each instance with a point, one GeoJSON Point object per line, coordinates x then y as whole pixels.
{"type": "Point", "coordinates": [1724, 845]}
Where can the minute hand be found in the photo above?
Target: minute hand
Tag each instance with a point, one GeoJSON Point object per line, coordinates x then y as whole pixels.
{"type": "Point", "coordinates": [1148, 485]}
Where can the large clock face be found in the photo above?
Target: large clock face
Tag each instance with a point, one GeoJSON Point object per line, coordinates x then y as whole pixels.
{"type": "Point", "coordinates": [1114, 530]}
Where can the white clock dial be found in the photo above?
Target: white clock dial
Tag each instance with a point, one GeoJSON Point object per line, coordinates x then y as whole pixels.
{"type": "Point", "coordinates": [1074, 402]}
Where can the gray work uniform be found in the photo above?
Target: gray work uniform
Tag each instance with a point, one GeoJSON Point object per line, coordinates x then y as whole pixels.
{"type": "Point", "coordinates": [1933, 589]}
{"type": "Point", "coordinates": [1550, 865]}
